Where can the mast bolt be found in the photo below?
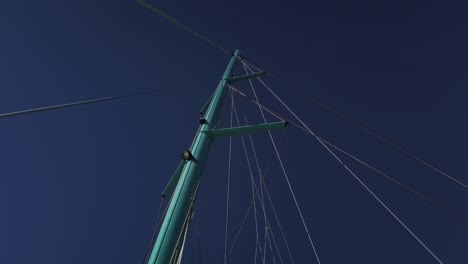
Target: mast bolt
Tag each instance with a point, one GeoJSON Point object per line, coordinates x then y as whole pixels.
{"type": "Point", "coordinates": [186, 155]}
{"type": "Point", "coordinates": [202, 121]}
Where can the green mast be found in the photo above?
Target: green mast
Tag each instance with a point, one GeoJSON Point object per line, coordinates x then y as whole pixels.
{"type": "Point", "coordinates": [170, 240]}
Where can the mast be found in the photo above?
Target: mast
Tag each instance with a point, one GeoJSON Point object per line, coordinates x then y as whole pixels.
{"type": "Point", "coordinates": [184, 183]}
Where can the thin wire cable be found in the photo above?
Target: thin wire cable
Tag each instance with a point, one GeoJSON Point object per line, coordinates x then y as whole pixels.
{"type": "Point", "coordinates": [352, 173]}
{"type": "Point", "coordinates": [261, 253]}
{"type": "Point", "coordinates": [269, 198]}
{"type": "Point", "coordinates": [253, 185]}
{"type": "Point", "coordinates": [87, 102]}
{"type": "Point", "coordinates": [253, 189]}
{"type": "Point", "coordinates": [364, 128]}
{"type": "Point", "coordinates": [262, 201]}
{"type": "Point", "coordinates": [286, 176]}
{"type": "Point", "coordinates": [275, 214]}
{"type": "Point", "coordinates": [179, 258]}
{"type": "Point", "coordinates": [262, 181]}
{"type": "Point", "coordinates": [274, 242]}
{"type": "Point", "coordinates": [435, 204]}
{"type": "Point", "coordinates": [197, 246]}
{"type": "Point", "coordinates": [228, 187]}
{"type": "Point", "coordinates": [252, 180]}
{"type": "Point", "coordinates": [177, 253]}
{"type": "Point", "coordinates": [257, 103]}
{"type": "Point", "coordinates": [155, 230]}
{"type": "Point", "coordinates": [262, 197]}
{"type": "Point", "coordinates": [183, 26]}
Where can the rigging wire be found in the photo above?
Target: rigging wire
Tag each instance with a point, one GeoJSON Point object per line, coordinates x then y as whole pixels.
{"type": "Point", "coordinates": [437, 205]}
{"type": "Point", "coordinates": [262, 201]}
{"type": "Point", "coordinates": [271, 202]}
{"type": "Point", "coordinates": [154, 232]}
{"type": "Point", "coordinates": [287, 180]}
{"type": "Point", "coordinates": [431, 201]}
{"type": "Point", "coordinates": [362, 127]}
{"type": "Point", "coordinates": [228, 187]}
{"type": "Point", "coordinates": [177, 254]}
{"type": "Point", "coordinates": [268, 195]}
{"type": "Point", "coordinates": [197, 245]}
{"type": "Point", "coordinates": [252, 185]}
{"type": "Point", "coordinates": [87, 102]}
{"type": "Point", "coordinates": [257, 191]}
{"type": "Point", "coordinates": [353, 174]}
{"type": "Point", "coordinates": [156, 229]}
{"type": "Point", "coordinates": [183, 26]}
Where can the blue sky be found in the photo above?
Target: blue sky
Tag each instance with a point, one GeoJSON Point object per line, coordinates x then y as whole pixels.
{"type": "Point", "coordinates": [83, 185]}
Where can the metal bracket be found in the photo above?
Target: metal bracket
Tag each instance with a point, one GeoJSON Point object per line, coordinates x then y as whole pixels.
{"type": "Point", "coordinates": [245, 77]}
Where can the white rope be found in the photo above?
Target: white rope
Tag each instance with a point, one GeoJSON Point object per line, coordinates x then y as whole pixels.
{"type": "Point", "coordinates": [286, 176]}
{"type": "Point", "coordinates": [350, 171]}
{"type": "Point", "coordinates": [228, 189]}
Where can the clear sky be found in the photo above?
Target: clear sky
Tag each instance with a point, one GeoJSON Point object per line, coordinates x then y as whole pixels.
{"type": "Point", "coordinates": [83, 184]}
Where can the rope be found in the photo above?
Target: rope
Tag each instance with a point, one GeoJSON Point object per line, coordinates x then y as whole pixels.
{"type": "Point", "coordinates": [176, 22]}
{"type": "Point", "coordinates": [287, 178]}
{"type": "Point", "coordinates": [363, 128]}
{"type": "Point", "coordinates": [352, 173]}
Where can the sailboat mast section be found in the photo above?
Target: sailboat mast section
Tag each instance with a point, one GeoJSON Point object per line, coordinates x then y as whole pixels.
{"type": "Point", "coordinates": [216, 104]}
{"type": "Point", "coordinates": [174, 180]}
{"type": "Point", "coordinates": [184, 193]}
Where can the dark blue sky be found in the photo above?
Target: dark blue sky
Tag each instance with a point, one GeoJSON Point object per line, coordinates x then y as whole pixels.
{"type": "Point", "coordinates": [83, 185]}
